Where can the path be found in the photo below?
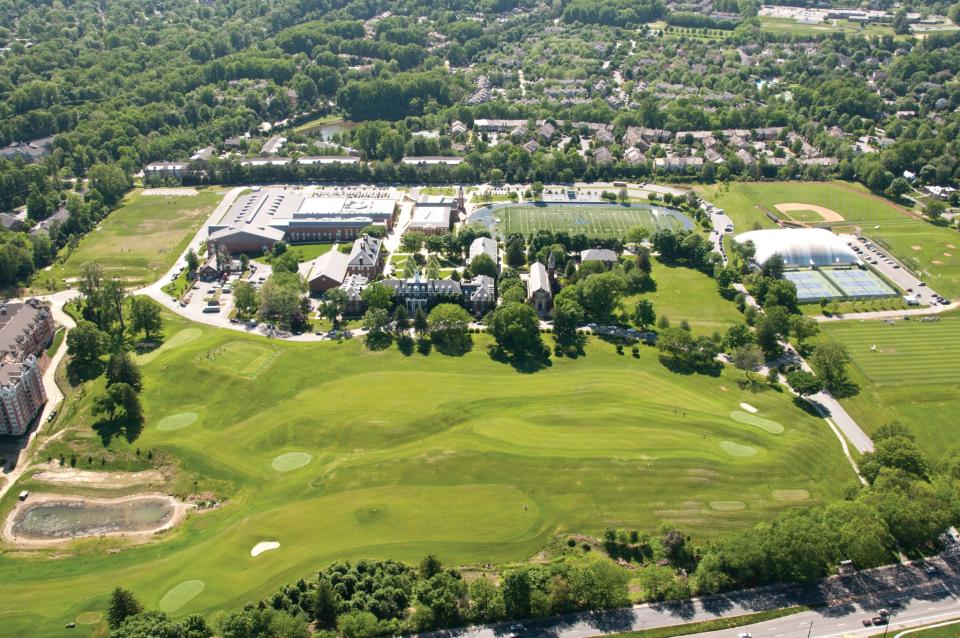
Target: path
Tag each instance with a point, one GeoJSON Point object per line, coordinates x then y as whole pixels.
{"type": "Point", "coordinates": [54, 394]}
{"type": "Point", "coordinates": [889, 314]}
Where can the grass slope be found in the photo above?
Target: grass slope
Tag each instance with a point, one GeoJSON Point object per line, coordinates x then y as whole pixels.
{"type": "Point", "coordinates": [140, 240]}
{"type": "Point", "coordinates": [930, 251]}
{"type": "Point", "coordinates": [460, 456]}
{"type": "Point", "coordinates": [911, 377]}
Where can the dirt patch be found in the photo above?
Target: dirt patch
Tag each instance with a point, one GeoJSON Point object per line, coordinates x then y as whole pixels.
{"type": "Point", "coordinates": [99, 480]}
{"type": "Point", "coordinates": [936, 261]}
{"type": "Point", "coordinates": [917, 247]}
{"type": "Point", "coordinates": [948, 254]}
{"type": "Point", "coordinates": [827, 214]}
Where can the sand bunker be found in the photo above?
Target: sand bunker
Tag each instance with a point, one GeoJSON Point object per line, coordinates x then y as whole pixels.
{"type": "Point", "coordinates": [791, 495]}
{"type": "Point", "coordinates": [180, 595]}
{"type": "Point", "coordinates": [917, 247]}
{"type": "Point", "coordinates": [728, 506]}
{"type": "Point", "coordinates": [176, 421]}
{"type": "Point", "coordinates": [88, 618]}
{"type": "Point", "coordinates": [290, 461]}
{"type": "Point", "coordinates": [764, 424]}
{"type": "Point", "coordinates": [735, 449]}
{"type": "Point", "coordinates": [264, 546]}
{"type": "Point", "coordinates": [827, 214]}
{"type": "Point", "coordinates": [170, 192]}
{"type": "Point", "coordinates": [749, 408]}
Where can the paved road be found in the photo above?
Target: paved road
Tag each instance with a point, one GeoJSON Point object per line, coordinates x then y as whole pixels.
{"type": "Point", "coordinates": [915, 597]}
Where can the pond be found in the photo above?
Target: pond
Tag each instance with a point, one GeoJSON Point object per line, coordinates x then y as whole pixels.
{"type": "Point", "coordinates": [70, 517]}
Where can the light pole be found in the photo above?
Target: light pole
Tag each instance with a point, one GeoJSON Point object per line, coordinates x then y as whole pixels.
{"type": "Point", "coordinates": [810, 629]}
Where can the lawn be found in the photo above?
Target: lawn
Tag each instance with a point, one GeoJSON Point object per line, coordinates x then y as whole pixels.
{"type": "Point", "coordinates": [910, 376]}
{"type": "Point", "coordinates": [947, 631]}
{"type": "Point", "coordinates": [930, 251]}
{"type": "Point", "coordinates": [684, 293]}
{"type": "Point", "coordinates": [338, 453]}
{"type": "Point", "coordinates": [594, 221]}
{"type": "Point", "coordinates": [790, 26]}
{"type": "Point", "coordinates": [138, 242]}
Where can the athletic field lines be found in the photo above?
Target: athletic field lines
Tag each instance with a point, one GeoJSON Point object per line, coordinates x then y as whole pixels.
{"type": "Point", "coordinates": [594, 221]}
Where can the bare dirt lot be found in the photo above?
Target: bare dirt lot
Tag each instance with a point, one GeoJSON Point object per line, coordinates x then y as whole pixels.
{"type": "Point", "coordinates": [56, 475]}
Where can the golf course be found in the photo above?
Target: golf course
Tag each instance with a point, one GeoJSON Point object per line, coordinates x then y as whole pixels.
{"type": "Point", "coordinates": [328, 451]}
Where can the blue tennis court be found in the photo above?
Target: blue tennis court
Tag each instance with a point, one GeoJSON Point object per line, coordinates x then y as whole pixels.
{"type": "Point", "coordinates": [859, 284]}
{"type": "Point", "coordinates": [811, 285]}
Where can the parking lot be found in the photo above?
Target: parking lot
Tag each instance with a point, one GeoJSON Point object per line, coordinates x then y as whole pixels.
{"type": "Point", "coordinates": [888, 266]}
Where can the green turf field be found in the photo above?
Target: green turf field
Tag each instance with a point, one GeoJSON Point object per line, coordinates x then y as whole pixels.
{"type": "Point", "coordinates": [947, 631]}
{"type": "Point", "coordinates": [338, 453]}
{"type": "Point", "coordinates": [684, 293]}
{"type": "Point", "coordinates": [790, 26]}
{"type": "Point", "coordinates": [930, 251]}
{"type": "Point", "coordinates": [910, 377]}
{"type": "Point", "coordinates": [139, 241]}
{"type": "Point", "coordinates": [594, 221]}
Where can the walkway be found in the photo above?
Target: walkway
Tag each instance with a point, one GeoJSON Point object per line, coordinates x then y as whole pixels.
{"type": "Point", "coordinates": [890, 314]}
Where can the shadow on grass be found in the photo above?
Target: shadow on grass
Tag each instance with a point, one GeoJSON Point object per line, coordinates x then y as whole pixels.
{"type": "Point", "coordinates": [525, 362]}
{"type": "Point", "coordinates": [378, 341]}
{"type": "Point", "coordinates": [129, 428]}
{"type": "Point", "coordinates": [684, 366]}
{"type": "Point", "coordinates": [80, 371]}
{"type": "Point", "coordinates": [845, 390]}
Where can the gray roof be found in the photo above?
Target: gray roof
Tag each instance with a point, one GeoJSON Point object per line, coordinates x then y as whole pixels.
{"type": "Point", "coordinates": [598, 254]}
{"type": "Point", "coordinates": [483, 245]}
{"type": "Point", "coordinates": [538, 281]}
{"type": "Point", "coordinates": [366, 251]}
{"type": "Point", "coordinates": [17, 322]}
{"type": "Point", "coordinates": [332, 264]}
{"type": "Point", "coordinates": [250, 233]}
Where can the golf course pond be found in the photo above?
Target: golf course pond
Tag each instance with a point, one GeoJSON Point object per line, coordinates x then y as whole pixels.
{"type": "Point", "coordinates": [51, 518]}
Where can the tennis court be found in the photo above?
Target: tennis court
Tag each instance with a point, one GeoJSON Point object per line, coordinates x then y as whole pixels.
{"type": "Point", "coordinates": [859, 284]}
{"type": "Point", "coordinates": [811, 285]}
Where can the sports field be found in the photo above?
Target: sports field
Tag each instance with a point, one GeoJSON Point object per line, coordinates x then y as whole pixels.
{"type": "Point", "coordinates": [336, 453]}
{"type": "Point", "coordinates": [930, 251]}
{"type": "Point", "coordinates": [907, 371]}
{"type": "Point", "coordinates": [139, 241]}
{"type": "Point", "coordinates": [594, 221]}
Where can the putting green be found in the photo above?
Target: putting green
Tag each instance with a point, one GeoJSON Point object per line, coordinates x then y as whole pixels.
{"type": "Point", "coordinates": [88, 618]}
{"type": "Point", "coordinates": [176, 421]}
{"type": "Point", "coordinates": [244, 358]}
{"type": "Point", "coordinates": [180, 595]}
{"type": "Point", "coordinates": [290, 461]}
{"type": "Point", "coordinates": [791, 495]}
{"type": "Point", "coordinates": [764, 424]}
{"type": "Point", "coordinates": [735, 449]}
{"type": "Point", "coordinates": [180, 338]}
{"type": "Point", "coordinates": [728, 506]}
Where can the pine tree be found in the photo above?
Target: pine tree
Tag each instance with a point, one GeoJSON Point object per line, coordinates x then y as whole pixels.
{"type": "Point", "coordinates": [122, 606]}
{"type": "Point", "coordinates": [420, 323]}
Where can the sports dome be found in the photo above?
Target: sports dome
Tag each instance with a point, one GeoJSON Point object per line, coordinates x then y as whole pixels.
{"type": "Point", "coordinates": [799, 247]}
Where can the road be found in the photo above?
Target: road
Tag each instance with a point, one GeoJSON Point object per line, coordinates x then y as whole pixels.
{"type": "Point", "coordinates": [914, 596]}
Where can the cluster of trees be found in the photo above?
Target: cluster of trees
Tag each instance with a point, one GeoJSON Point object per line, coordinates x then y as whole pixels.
{"type": "Point", "coordinates": [622, 13]}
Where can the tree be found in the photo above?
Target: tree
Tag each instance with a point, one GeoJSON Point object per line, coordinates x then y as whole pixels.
{"type": "Point", "coordinates": [335, 301]}
{"type": "Point", "coordinates": [448, 324]}
{"type": "Point", "coordinates": [516, 593]}
{"type": "Point", "coordinates": [516, 329]}
{"type": "Point", "coordinates": [245, 298]}
{"type": "Point", "coordinates": [113, 293]}
{"type": "Point", "coordinates": [804, 383]}
{"type": "Point", "coordinates": [803, 327]}
{"type": "Point", "coordinates": [748, 358]}
{"type": "Point", "coordinates": [375, 321]}
{"type": "Point", "coordinates": [515, 257]}
{"type": "Point", "coordinates": [483, 264]}
{"type": "Point", "coordinates": [121, 368]}
{"type": "Point", "coordinates": [401, 321]}
{"type": "Point", "coordinates": [122, 606]}
{"type": "Point", "coordinates": [145, 316]}
{"type": "Point", "coordinates": [737, 335]}
{"type": "Point", "coordinates": [110, 181]}
{"type": "Point", "coordinates": [830, 360]}
{"type": "Point", "coordinates": [568, 314]}
{"type": "Point", "coordinates": [897, 453]}
{"type": "Point", "coordinates": [86, 343]}
{"type": "Point", "coordinates": [420, 324]}
{"type": "Point", "coordinates": [193, 262]}
{"type": "Point", "coordinates": [433, 267]}
{"type": "Point", "coordinates": [643, 314]}
{"type": "Point", "coordinates": [119, 396]}
{"type": "Point", "coordinates": [600, 295]}
{"type": "Point", "coordinates": [377, 295]}
{"type": "Point", "coordinates": [430, 566]}
{"type": "Point", "coordinates": [410, 268]}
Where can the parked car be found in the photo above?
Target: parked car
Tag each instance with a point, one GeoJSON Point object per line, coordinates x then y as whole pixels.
{"type": "Point", "coordinates": [879, 620]}
{"type": "Point", "coordinates": [867, 622]}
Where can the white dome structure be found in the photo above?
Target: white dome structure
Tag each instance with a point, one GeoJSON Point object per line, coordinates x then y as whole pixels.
{"type": "Point", "coordinates": [799, 247]}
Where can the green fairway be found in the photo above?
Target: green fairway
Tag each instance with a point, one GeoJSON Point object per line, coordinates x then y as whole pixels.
{"type": "Point", "coordinates": [138, 242]}
{"type": "Point", "coordinates": [911, 376]}
{"type": "Point", "coordinates": [684, 293]}
{"type": "Point", "coordinates": [594, 221]}
{"type": "Point", "coordinates": [790, 26]}
{"type": "Point", "coordinates": [930, 251]}
{"type": "Point", "coordinates": [336, 453]}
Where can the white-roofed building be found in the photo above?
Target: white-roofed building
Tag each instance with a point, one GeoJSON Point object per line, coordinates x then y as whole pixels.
{"type": "Point", "coordinates": [800, 247]}
{"type": "Point", "coordinates": [539, 292]}
{"type": "Point", "coordinates": [483, 246]}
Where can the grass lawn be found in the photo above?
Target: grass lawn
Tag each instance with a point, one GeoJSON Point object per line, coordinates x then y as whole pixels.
{"type": "Point", "coordinates": [684, 293]}
{"type": "Point", "coordinates": [849, 307]}
{"type": "Point", "coordinates": [778, 26]}
{"type": "Point", "coordinates": [947, 631]}
{"type": "Point", "coordinates": [140, 240]}
{"type": "Point", "coordinates": [306, 252]}
{"type": "Point", "coordinates": [310, 125]}
{"type": "Point", "coordinates": [594, 221]}
{"type": "Point", "coordinates": [460, 456]}
{"type": "Point", "coordinates": [911, 377]}
{"type": "Point", "coordinates": [55, 342]}
{"type": "Point", "coordinates": [930, 251]}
